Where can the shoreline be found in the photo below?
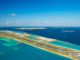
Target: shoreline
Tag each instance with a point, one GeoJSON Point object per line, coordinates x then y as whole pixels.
{"type": "Point", "coordinates": [31, 28]}
{"type": "Point", "coordinates": [42, 48]}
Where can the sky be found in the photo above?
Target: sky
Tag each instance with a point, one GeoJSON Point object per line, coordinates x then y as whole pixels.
{"type": "Point", "coordinates": [39, 13]}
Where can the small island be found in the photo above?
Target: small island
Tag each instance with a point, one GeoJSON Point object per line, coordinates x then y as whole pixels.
{"type": "Point", "coordinates": [68, 31]}
{"type": "Point", "coordinates": [31, 28]}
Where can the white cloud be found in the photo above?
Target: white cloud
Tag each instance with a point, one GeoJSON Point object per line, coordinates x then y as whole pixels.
{"type": "Point", "coordinates": [12, 14]}
{"type": "Point", "coordinates": [7, 23]}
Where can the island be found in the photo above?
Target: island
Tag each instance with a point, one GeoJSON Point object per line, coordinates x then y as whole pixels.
{"type": "Point", "coordinates": [31, 28]}
{"type": "Point", "coordinates": [43, 43]}
{"type": "Point", "coordinates": [68, 31]}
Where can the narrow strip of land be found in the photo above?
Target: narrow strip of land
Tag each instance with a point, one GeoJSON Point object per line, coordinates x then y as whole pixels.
{"type": "Point", "coordinates": [67, 52]}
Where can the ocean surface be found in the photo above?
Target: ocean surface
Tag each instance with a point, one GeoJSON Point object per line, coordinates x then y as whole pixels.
{"type": "Point", "coordinates": [22, 51]}
{"type": "Point", "coordinates": [53, 32]}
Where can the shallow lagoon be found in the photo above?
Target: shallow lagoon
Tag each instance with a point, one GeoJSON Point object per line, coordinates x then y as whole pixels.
{"type": "Point", "coordinates": [22, 51]}
{"type": "Point", "coordinates": [64, 44]}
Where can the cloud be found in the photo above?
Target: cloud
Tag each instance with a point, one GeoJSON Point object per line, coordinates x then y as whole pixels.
{"type": "Point", "coordinates": [12, 14]}
{"type": "Point", "coordinates": [7, 22]}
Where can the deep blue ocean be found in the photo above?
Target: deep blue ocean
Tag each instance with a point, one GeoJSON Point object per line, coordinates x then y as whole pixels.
{"type": "Point", "coordinates": [27, 52]}
{"type": "Point", "coordinates": [53, 32]}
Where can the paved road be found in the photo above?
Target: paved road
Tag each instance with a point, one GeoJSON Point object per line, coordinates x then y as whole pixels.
{"type": "Point", "coordinates": [42, 45]}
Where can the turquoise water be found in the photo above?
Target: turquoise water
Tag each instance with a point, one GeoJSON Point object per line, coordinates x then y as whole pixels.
{"type": "Point", "coordinates": [60, 43]}
{"type": "Point", "coordinates": [32, 37]}
{"type": "Point", "coordinates": [24, 51]}
{"type": "Point", "coordinates": [17, 31]}
{"type": "Point", "coordinates": [8, 41]}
